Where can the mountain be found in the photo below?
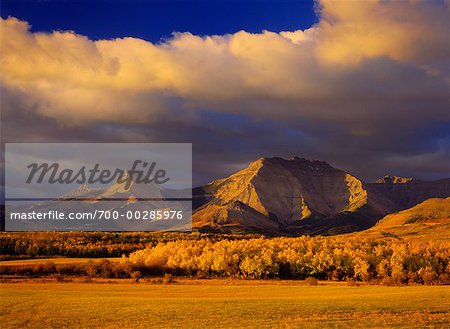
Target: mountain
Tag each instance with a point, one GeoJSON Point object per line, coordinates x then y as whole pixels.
{"type": "Point", "coordinates": [78, 192]}
{"type": "Point", "coordinates": [406, 192]}
{"type": "Point", "coordinates": [116, 207]}
{"type": "Point", "coordinates": [300, 196]}
{"type": "Point", "coordinates": [273, 196]}
{"type": "Point", "coordinates": [430, 218]}
{"type": "Point", "coordinates": [118, 190]}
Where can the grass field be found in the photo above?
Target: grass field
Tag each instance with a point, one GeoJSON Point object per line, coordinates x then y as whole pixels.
{"type": "Point", "coordinates": [221, 304]}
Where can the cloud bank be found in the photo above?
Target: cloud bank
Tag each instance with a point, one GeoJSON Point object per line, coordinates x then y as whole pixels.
{"type": "Point", "coordinates": [367, 89]}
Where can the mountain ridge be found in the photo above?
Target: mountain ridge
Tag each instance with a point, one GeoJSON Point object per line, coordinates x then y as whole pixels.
{"type": "Point", "coordinates": [300, 196]}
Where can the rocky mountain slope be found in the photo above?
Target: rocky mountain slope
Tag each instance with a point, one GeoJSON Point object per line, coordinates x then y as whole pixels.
{"type": "Point", "coordinates": [406, 192]}
{"type": "Point", "coordinates": [299, 196]}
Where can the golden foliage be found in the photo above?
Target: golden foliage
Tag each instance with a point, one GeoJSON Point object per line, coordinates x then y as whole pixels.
{"type": "Point", "coordinates": [334, 258]}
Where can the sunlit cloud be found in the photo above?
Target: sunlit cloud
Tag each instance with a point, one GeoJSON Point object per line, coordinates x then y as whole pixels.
{"type": "Point", "coordinates": [370, 79]}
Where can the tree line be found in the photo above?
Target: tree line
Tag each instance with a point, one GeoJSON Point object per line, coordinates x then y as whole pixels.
{"type": "Point", "coordinates": [325, 258]}
{"type": "Point", "coordinates": [90, 244]}
{"type": "Point", "coordinates": [387, 261]}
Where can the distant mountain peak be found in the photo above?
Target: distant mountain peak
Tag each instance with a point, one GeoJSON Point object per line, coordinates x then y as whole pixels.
{"type": "Point", "coordinates": [79, 191]}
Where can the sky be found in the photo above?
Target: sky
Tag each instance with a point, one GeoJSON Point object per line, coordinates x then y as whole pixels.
{"type": "Point", "coordinates": [156, 20]}
{"type": "Point", "coordinates": [363, 85]}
